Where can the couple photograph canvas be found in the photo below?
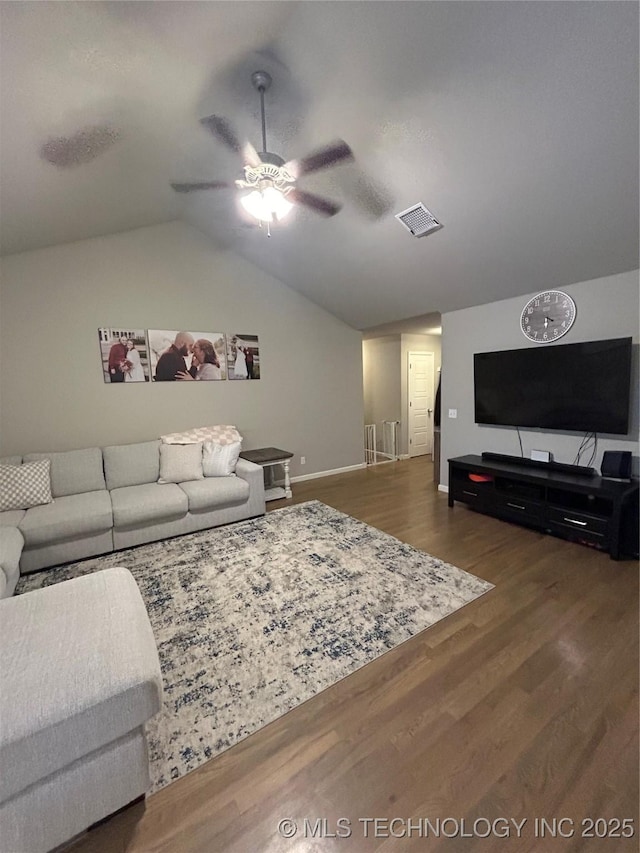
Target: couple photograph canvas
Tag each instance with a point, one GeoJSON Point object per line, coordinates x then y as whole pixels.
{"type": "Point", "coordinates": [174, 355]}
{"type": "Point", "coordinates": [187, 356]}
{"type": "Point", "coordinates": [124, 354]}
{"type": "Point", "coordinates": [243, 356]}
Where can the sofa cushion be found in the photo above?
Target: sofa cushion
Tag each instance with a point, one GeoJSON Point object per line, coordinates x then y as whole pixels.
{"type": "Point", "coordinates": [11, 544]}
{"type": "Point", "coordinates": [220, 460]}
{"type": "Point", "coordinates": [12, 517]}
{"type": "Point", "coordinates": [73, 472]}
{"type": "Point", "coordinates": [215, 492]}
{"type": "Point", "coordinates": [220, 434]}
{"type": "Point", "coordinates": [24, 486]}
{"type": "Point", "coordinates": [131, 464]}
{"type": "Point", "coordinates": [180, 462]}
{"type": "Point", "coordinates": [11, 460]}
{"type": "Point", "coordinates": [147, 504]}
{"type": "Point", "coordinates": [67, 518]}
{"type": "Point", "coordinates": [79, 669]}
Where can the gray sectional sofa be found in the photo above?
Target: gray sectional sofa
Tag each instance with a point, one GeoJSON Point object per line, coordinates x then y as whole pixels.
{"type": "Point", "coordinates": [109, 498]}
{"type": "Point", "coordinates": [80, 672]}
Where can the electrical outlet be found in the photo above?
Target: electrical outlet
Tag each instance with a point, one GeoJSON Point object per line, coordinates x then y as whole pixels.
{"type": "Point", "coordinates": [453, 413]}
{"type": "Point", "coordinates": [303, 460]}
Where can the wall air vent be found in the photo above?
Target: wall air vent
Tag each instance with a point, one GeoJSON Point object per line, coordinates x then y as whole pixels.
{"type": "Point", "coordinates": [418, 220]}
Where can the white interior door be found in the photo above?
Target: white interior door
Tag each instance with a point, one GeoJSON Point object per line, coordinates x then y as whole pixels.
{"type": "Point", "coordinates": [420, 402]}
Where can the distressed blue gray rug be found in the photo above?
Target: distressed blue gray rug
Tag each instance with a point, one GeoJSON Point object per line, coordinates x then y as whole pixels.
{"type": "Point", "coordinates": [254, 618]}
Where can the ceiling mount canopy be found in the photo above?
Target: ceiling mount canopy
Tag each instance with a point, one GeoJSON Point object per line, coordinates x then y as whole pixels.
{"type": "Point", "coordinates": [268, 188]}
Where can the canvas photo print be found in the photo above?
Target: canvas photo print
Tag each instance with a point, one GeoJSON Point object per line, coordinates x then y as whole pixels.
{"type": "Point", "coordinates": [124, 354]}
{"type": "Point", "coordinates": [187, 356]}
{"type": "Point", "coordinates": [243, 356]}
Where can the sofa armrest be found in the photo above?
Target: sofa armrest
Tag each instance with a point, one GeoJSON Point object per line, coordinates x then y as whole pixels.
{"type": "Point", "coordinates": [11, 544]}
{"type": "Point", "coordinates": [254, 475]}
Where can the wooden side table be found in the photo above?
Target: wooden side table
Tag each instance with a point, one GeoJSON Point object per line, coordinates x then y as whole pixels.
{"type": "Point", "coordinates": [268, 457]}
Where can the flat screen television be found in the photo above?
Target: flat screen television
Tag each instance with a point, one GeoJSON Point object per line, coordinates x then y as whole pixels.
{"type": "Point", "coordinates": [582, 387]}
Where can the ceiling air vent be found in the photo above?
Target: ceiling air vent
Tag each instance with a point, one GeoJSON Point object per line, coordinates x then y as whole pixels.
{"type": "Point", "coordinates": [418, 220]}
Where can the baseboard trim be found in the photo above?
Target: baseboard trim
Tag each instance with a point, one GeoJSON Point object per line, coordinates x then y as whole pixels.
{"type": "Point", "coordinates": [330, 473]}
{"type": "Point", "coordinates": [442, 488]}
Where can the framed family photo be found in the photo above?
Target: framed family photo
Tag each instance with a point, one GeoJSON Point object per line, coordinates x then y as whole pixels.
{"type": "Point", "coordinates": [124, 354]}
{"type": "Point", "coordinates": [187, 356]}
{"type": "Point", "coordinates": [243, 356]}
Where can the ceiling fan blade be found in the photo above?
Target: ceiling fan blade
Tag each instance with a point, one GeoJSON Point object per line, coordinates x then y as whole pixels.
{"type": "Point", "coordinates": [315, 202]}
{"type": "Point", "coordinates": [203, 185]}
{"type": "Point", "coordinates": [250, 156]}
{"type": "Point", "coordinates": [320, 159]}
{"type": "Point", "coordinates": [223, 131]}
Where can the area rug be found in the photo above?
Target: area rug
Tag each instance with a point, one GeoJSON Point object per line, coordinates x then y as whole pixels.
{"type": "Point", "coordinates": [256, 617]}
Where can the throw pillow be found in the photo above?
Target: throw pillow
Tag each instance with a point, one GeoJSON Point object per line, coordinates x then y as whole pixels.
{"type": "Point", "coordinates": [24, 486]}
{"type": "Point", "coordinates": [220, 460]}
{"type": "Point", "coordinates": [180, 463]}
{"type": "Point", "coordinates": [219, 434]}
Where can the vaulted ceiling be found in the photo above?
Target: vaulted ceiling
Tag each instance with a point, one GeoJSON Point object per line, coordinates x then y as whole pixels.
{"type": "Point", "coordinates": [515, 123]}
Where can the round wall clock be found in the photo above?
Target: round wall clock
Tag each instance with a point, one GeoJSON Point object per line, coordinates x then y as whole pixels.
{"type": "Point", "coordinates": [547, 316]}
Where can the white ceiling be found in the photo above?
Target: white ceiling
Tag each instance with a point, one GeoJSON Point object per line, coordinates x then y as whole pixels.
{"type": "Point", "coordinates": [516, 123]}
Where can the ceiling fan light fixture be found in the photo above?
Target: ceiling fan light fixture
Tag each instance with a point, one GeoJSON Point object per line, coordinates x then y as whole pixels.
{"type": "Point", "coordinates": [267, 205]}
{"type": "Point", "coordinates": [277, 201]}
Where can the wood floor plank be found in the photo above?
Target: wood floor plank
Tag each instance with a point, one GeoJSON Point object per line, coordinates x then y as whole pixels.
{"type": "Point", "coordinates": [521, 705]}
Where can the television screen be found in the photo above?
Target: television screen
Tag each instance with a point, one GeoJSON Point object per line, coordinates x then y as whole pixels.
{"type": "Point", "coordinates": [583, 387]}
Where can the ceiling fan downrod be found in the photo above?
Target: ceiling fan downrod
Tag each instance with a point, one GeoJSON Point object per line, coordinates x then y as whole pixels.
{"type": "Point", "coordinates": [261, 81]}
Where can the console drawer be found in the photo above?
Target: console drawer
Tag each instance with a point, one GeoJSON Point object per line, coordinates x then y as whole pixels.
{"type": "Point", "coordinates": [566, 519]}
{"type": "Point", "coordinates": [469, 493]}
{"type": "Point", "coordinates": [516, 508]}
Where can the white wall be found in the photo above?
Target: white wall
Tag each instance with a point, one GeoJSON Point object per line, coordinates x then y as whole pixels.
{"type": "Point", "coordinates": [381, 365]}
{"type": "Point", "coordinates": [52, 394]}
{"type": "Point", "coordinates": [606, 308]}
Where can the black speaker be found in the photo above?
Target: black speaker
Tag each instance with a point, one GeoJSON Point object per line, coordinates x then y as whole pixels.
{"type": "Point", "coordinates": [617, 464]}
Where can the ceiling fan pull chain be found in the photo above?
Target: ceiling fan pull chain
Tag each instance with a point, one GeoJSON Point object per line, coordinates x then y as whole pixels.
{"type": "Point", "coordinates": [268, 227]}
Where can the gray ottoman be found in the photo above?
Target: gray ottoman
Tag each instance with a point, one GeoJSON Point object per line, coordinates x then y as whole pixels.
{"type": "Point", "coordinates": [80, 676]}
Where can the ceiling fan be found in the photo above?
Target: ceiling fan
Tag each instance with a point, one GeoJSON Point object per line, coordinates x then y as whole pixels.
{"type": "Point", "coordinates": [269, 188]}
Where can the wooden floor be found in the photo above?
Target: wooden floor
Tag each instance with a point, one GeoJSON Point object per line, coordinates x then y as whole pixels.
{"type": "Point", "coordinates": [522, 706]}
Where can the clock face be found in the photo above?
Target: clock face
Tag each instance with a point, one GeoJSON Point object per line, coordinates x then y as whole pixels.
{"type": "Point", "coordinates": [548, 316]}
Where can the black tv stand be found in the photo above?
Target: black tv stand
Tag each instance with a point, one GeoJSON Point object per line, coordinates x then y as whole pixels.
{"type": "Point", "coordinates": [587, 509]}
{"type": "Point", "coordinates": [580, 470]}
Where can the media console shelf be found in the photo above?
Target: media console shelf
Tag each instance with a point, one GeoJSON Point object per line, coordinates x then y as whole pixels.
{"type": "Point", "coordinates": [590, 510]}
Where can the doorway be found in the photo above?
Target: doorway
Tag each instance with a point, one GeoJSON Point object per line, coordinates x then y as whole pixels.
{"type": "Point", "coordinates": [420, 401]}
